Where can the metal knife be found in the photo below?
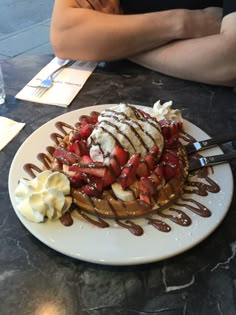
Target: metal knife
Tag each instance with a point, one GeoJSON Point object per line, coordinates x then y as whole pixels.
{"type": "Point", "coordinates": [200, 145]}
{"type": "Point", "coordinates": [196, 163]}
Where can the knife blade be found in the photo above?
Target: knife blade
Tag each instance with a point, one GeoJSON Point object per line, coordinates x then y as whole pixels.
{"type": "Point", "coordinates": [197, 163]}
{"type": "Point", "coordinates": [200, 145]}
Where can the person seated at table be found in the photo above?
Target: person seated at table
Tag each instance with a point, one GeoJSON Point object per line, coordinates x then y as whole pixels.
{"type": "Point", "coordinates": [193, 40]}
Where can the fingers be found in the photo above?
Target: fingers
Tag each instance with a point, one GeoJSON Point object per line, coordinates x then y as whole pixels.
{"type": "Point", "coordinates": [90, 4]}
{"type": "Point", "coordinates": [105, 6]}
{"type": "Point", "coordinates": [96, 4]}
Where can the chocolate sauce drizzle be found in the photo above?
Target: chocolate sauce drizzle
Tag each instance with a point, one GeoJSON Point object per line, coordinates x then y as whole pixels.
{"type": "Point", "coordinates": [124, 119]}
{"type": "Point", "coordinates": [179, 217]}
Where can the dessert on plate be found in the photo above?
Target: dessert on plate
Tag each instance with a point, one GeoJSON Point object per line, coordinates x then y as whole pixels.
{"type": "Point", "coordinates": [122, 163]}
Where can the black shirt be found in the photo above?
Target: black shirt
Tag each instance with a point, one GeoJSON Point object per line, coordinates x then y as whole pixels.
{"type": "Point", "coordinates": [144, 6]}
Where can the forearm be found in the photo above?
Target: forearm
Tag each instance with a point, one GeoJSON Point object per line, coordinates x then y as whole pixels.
{"type": "Point", "coordinates": [85, 34]}
{"type": "Point", "coordinates": [209, 59]}
{"type": "Point", "coordinates": [90, 35]}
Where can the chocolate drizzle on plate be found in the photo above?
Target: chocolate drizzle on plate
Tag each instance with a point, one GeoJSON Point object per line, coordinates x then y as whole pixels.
{"type": "Point", "coordinates": [198, 183]}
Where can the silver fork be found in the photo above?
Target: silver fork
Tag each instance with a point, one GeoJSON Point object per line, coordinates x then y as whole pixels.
{"type": "Point", "coordinates": [48, 82]}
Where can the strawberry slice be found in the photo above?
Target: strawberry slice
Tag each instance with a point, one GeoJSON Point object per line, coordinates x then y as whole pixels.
{"type": "Point", "coordinates": [95, 169]}
{"type": "Point", "coordinates": [78, 147]}
{"type": "Point", "coordinates": [90, 119]}
{"type": "Point", "coordinates": [170, 170]}
{"type": "Point", "coordinates": [65, 156]}
{"type": "Point", "coordinates": [118, 158]}
{"type": "Point", "coordinates": [121, 155]}
{"type": "Point", "coordinates": [170, 163]}
{"type": "Point", "coordinates": [170, 131]}
{"type": "Point", "coordinates": [170, 156]}
{"type": "Point", "coordinates": [144, 194]}
{"type": "Point", "coordinates": [157, 176]}
{"type": "Point", "coordinates": [94, 115]}
{"type": "Point", "coordinates": [76, 179]}
{"type": "Point", "coordinates": [148, 163]}
{"type": "Point", "coordinates": [75, 136]}
{"type": "Point", "coordinates": [109, 177]}
{"type": "Point", "coordinates": [149, 184]}
{"type": "Point", "coordinates": [93, 189]}
{"type": "Point", "coordinates": [85, 131]}
{"type": "Point", "coordinates": [128, 173]}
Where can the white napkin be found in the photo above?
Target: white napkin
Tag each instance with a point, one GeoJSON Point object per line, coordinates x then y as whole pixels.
{"type": "Point", "coordinates": [8, 130]}
{"type": "Point", "coordinates": [67, 83]}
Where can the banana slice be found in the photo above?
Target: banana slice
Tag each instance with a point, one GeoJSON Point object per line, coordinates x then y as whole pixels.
{"type": "Point", "coordinates": [124, 195]}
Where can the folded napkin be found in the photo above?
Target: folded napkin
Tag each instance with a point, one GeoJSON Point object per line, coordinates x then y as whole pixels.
{"type": "Point", "coordinates": [67, 83]}
{"type": "Point", "coordinates": [8, 130]}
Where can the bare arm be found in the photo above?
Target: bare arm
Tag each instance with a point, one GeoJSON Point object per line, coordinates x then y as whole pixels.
{"type": "Point", "coordinates": [85, 34]}
{"type": "Point", "coordinates": [210, 59]}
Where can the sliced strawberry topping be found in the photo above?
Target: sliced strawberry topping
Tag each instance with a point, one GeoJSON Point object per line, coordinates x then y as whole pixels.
{"type": "Point", "coordinates": [95, 169]}
{"type": "Point", "coordinates": [157, 176]}
{"type": "Point", "coordinates": [170, 156]}
{"type": "Point", "coordinates": [170, 170]}
{"type": "Point", "coordinates": [118, 158]}
{"type": "Point", "coordinates": [78, 147]}
{"type": "Point", "coordinates": [128, 173]}
{"type": "Point", "coordinates": [144, 194]}
{"type": "Point", "coordinates": [93, 189]}
{"type": "Point", "coordinates": [149, 184]}
{"type": "Point", "coordinates": [121, 155]}
{"type": "Point", "coordinates": [75, 136]}
{"type": "Point", "coordinates": [85, 159]}
{"type": "Point", "coordinates": [147, 164]}
{"type": "Point", "coordinates": [92, 119]}
{"type": "Point", "coordinates": [76, 179]}
{"type": "Point", "coordinates": [109, 177]}
{"type": "Point", "coordinates": [85, 131]}
{"type": "Point", "coordinates": [170, 130]}
{"type": "Point", "coordinates": [65, 156]}
{"type": "Point", "coordinates": [170, 164]}
{"type": "Point", "coordinates": [94, 115]}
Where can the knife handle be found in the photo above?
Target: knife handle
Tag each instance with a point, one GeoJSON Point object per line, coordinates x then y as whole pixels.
{"type": "Point", "coordinates": [210, 160]}
{"type": "Point", "coordinates": [218, 140]}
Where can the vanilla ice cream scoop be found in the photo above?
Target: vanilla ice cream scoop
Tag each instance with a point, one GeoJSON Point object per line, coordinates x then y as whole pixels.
{"type": "Point", "coordinates": [124, 126]}
{"type": "Point", "coordinates": [44, 196]}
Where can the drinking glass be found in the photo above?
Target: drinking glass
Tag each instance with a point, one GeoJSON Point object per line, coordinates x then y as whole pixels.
{"type": "Point", "coordinates": [2, 88]}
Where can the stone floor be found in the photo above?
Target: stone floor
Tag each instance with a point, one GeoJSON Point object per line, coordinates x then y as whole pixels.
{"type": "Point", "coordinates": [24, 27]}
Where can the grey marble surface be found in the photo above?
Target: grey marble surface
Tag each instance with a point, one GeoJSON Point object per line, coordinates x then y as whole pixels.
{"type": "Point", "coordinates": [35, 279]}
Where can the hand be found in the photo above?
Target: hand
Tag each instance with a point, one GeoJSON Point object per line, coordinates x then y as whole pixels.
{"type": "Point", "coordinates": [204, 22]}
{"type": "Point", "coordinates": [104, 6]}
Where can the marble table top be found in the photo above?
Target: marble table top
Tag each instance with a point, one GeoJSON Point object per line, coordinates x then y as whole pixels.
{"type": "Point", "coordinates": [35, 279]}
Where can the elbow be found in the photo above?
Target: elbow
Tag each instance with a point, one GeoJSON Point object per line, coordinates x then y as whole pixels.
{"type": "Point", "coordinates": [227, 74]}
{"type": "Point", "coordinates": [59, 45]}
{"type": "Point", "coordinates": [64, 47]}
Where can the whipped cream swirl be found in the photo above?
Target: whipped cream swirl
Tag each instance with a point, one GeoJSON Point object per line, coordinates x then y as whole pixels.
{"type": "Point", "coordinates": [45, 196]}
{"type": "Point", "coordinates": [165, 111]}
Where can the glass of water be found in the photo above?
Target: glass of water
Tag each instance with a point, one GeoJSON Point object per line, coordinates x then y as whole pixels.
{"type": "Point", "coordinates": [2, 88]}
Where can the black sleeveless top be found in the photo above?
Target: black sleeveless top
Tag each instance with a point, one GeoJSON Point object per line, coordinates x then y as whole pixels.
{"type": "Point", "coordinates": [145, 6]}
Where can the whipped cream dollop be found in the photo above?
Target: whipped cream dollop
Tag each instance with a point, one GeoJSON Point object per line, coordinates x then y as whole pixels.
{"type": "Point", "coordinates": [165, 111]}
{"type": "Point", "coordinates": [45, 196]}
{"type": "Point", "coordinates": [124, 126]}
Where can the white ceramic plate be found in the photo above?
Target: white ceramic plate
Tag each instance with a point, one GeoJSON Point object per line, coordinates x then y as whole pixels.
{"type": "Point", "coordinates": [116, 245]}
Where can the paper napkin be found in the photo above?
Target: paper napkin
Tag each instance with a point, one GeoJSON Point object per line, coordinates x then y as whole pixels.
{"type": "Point", "coordinates": [8, 130]}
{"type": "Point", "coordinates": [67, 83]}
